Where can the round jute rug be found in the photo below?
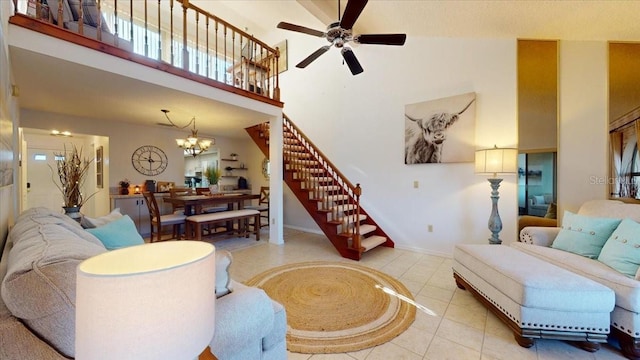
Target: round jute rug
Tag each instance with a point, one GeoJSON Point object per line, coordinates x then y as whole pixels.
{"type": "Point", "coordinates": [335, 307]}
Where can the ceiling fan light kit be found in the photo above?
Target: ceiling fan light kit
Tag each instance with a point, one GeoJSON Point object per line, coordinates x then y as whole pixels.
{"type": "Point", "coordinates": [340, 33]}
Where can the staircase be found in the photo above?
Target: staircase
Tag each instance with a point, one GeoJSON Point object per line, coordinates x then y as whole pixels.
{"type": "Point", "coordinates": [327, 195]}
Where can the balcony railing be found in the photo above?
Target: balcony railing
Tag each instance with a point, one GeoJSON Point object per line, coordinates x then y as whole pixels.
{"type": "Point", "coordinates": [172, 35]}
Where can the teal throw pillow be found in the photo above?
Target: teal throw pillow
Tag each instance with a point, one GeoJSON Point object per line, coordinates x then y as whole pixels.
{"type": "Point", "coordinates": [118, 233]}
{"type": "Point", "coordinates": [584, 235]}
{"type": "Point", "coordinates": [622, 250]}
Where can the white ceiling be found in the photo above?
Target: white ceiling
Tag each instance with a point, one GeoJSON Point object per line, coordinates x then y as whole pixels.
{"type": "Point", "coordinates": [58, 86]}
{"type": "Point", "coordinates": [530, 19]}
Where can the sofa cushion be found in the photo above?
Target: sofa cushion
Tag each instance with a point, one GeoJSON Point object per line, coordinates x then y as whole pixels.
{"type": "Point", "coordinates": [18, 343]}
{"type": "Point", "coordinates": [584, 235]}
{"type": "Point", "coordinates": [105, 36]}
{"type": "Point", "coordinates": [627, 290]}
{"type": "Point", "coordinates": [248, 315]}
{"type": "Point", "coordinates": [223, 280]}
{"type": "Point", "coordinates": [552, 211]}
{"type": "Point", "coordinates": [277, 335]}
{"type": "Point", "coordinates": [530, 281]}
{"type": "Point", "coordinates": [118, 234]}
{"type": "Point", "coordinates": [39, 287]}
{"type": "Point", "coordinates": [622, 249]}
{"type": "Point", "coordinates": [90, 13]}
{"type": "Point", "coordinates": [610, 209]}
{"type": "Point", "coordinates": [88, 222]}
{"type": "Point", "coordinates": [67, 14]}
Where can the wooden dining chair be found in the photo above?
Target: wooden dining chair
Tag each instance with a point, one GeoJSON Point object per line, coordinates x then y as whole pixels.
{"type": "Point", "coordinates": [158, 220]}
{"type": "Point", "coordinates": [263, 206]}
{"type": "Point", "coordinates": [179, 191]}
{"type": "Point", "coordinates": [210, 209]}
{"type": "Point", "coordinates": [203, 191]}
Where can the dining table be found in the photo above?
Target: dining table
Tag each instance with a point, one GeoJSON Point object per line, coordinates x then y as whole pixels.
{"type": "Point", "coordinates": [193, 204]}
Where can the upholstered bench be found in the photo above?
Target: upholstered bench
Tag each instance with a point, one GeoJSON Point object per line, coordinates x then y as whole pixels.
{"type": "Point", "coordinates": [536, 299]}
{"type": "Point", "coordinates": [196, 223]}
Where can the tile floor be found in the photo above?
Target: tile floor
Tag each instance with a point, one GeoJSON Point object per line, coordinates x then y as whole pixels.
{"type": "Point", "coordinates": [463, 329]}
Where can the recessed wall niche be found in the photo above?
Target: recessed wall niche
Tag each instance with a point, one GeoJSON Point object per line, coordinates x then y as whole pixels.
{"type": "Point", "coordinates": [624, 113]}
{"type": "Point", "coordinates": [537, 125]}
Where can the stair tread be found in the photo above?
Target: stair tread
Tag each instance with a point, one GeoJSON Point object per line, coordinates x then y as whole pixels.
{"type": "Point", "coordinates": [320, 178]}
{"type": "Point", "coordinates": [367, 228]}
{"type": "Point", "coordinates": [350, 219]}
{"type": "Point", "coordinates": [337, 197]}
{"type": "Point", "coordinates": [372, 241]}
{"type": "Point", "coordinates": [344, 207]}
{"type": "Point", "coordinates": [328, 187]}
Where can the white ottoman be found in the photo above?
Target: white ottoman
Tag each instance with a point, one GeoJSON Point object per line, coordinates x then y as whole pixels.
{"type": "Point", "coordinates": [536, 299]}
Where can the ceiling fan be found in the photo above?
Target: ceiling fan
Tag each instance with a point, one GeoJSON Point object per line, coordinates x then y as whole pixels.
{"type": "Point", "coordinates": [339, 34]}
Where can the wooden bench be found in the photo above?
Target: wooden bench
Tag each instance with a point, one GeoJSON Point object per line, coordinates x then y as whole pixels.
{"type": "Point", "coordinates": [196, 223]}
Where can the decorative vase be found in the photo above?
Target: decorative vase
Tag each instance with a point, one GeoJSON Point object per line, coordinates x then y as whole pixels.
{"type": "Point", "coordinates": [73, 212]}
{"type": "Point", "coordinates": [124, 191]}
{"type": "Point", "coordinates": [213, 188]}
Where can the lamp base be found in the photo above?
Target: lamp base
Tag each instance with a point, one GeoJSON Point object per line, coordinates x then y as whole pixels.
{"type": "Point", "coordinates": [495, 223]}
{"type": "Point", "coordinates": [207, 355]}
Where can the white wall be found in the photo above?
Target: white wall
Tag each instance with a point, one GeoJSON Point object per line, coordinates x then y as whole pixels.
{"type": "Point", "coordinates": [582, 150]}
{"type": "Point", "coordinates": [358, 122]}
{"type": "Point", "coordinates": [9, 119]}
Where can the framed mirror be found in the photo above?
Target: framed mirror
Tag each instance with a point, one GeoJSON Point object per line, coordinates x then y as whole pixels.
{"type": "Point", "coordinates": [266, 168]}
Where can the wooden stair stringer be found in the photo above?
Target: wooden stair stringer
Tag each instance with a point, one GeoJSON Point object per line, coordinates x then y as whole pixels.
{"type": "Point", "coordinates": [339, 240]}
{"type": "Point", "coordinates": [330, 230]}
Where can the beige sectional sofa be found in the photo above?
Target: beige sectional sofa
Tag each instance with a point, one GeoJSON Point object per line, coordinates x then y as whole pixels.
{"type": "Point", "coordinates": [625, 318]}
{"type": "Point", "coordinates": [37, 311]}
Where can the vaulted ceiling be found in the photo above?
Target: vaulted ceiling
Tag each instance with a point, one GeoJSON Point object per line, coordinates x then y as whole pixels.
{"type": "Point", "coordinates": [563, 19]}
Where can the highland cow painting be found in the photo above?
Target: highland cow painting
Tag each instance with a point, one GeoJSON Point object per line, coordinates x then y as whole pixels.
{"type": "Point", "coordinates": [440, 130]}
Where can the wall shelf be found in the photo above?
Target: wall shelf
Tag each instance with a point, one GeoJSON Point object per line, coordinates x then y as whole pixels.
{"type": "Point", "coordinates": [229, 159]}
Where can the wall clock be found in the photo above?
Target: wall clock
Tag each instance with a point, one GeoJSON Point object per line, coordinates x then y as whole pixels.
{"type": "Point", "coordinates": [149, 160]}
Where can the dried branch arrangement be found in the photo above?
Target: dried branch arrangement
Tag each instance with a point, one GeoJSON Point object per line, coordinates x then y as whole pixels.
{"type": "Point", "coordinates": [72, 171]}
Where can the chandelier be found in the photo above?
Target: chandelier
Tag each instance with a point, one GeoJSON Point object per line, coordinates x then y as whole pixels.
{"type": "Point", "coordinates": [192, 145]}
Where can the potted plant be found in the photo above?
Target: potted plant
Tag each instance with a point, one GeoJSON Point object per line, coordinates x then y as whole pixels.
{"type": "Point", "coordinates": [212, 173]}
{"type": "Point", "coordinates": [72, 171]}
{"type": "Point", "coordinates": [124, 187]}
{"type": "Point", "coordinates": [234, 156]}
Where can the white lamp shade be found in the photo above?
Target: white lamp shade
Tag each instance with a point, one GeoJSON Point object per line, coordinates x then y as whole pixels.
{"type": "Point", "coordinates": [152, 301]}
{"type": "Point", "coordinates": [496, 160]}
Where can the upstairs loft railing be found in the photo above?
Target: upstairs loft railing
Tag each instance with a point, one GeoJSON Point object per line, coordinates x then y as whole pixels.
{"type": "Point", "coordinates": [171, 35]}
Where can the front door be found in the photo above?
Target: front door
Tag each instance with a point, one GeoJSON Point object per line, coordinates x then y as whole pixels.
{"type": "Point", "coordinates": [41, 172]}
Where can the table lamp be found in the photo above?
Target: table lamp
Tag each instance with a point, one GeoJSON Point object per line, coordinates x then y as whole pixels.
{"type": "Point", "coordinates": [496, 161]}
{"type": "Point", "coordinates": [151, 301]}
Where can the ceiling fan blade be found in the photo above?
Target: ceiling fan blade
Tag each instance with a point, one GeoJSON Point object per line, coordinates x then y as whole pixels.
{"type": "Point", "coordinates": [316, 54]}
{"type": "Point", "coordinates": [301, 29]}
{"type": "Point", "coordinates": [351, 13]}
{"type": "Point", "coordinates": [381, 39]}
{"type": "Point", "coordinates": [352, 61]}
